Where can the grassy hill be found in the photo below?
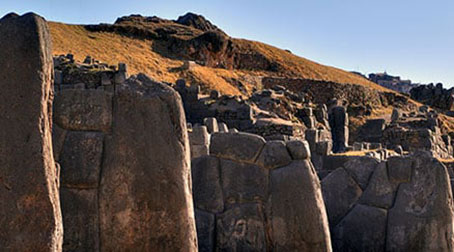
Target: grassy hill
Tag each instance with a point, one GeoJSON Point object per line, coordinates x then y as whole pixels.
{"type": "Point", "coordinates": [159, 48]}
{"type": "Point", "coordinates": [140, 55]}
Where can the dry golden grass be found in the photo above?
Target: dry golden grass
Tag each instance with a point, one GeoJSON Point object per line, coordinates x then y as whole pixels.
{"type": "Point", "coordinates": [304, 68]}
{"type": "Point", "coordinates": [213, 79]}
{"type": "Point", "coordinates": [113, 48]}
{"type": "Point", "coordinates": [361, 153]}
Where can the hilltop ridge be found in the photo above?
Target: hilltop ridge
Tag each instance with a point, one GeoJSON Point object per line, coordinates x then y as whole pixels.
{"type": "Point", "coordinates": [160, 47]}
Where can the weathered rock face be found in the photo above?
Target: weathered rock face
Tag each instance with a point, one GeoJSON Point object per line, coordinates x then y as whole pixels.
{"type": "Point", "coordinates": [30, 214]}
{"type": "Point", "coordinates": [97, 195]}
{"type": "Point", "coordinates": [372, 130]}
{"type": "Point", "coordinates": [82, 119]}
{"type": "Point", "coordinates": [405, 204]}
{"type": "Point", "coordinates": [83, 109]}
{"type": "Point", "coordinates": [253, 195]}
{"type": "Point", "coordinates": [423, 208]}
{"type": "Point", "coordinates": [419, 139]}
{"type": "Point", "coordinates": [197, 21]}
{"type": "Point", "coordinates": [145, 192]}
{"type": "Point", "coordinates": [199, 139]}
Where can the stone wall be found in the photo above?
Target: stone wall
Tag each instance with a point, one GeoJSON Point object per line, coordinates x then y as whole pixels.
{"type": "Point", "coordinates": [30, 216]}
{"type": "Point", "coordinates": [257, 195]}
{"type": "Point", "coordinates": [267, 113]}
{"type": "Point", "coordinates": [419, 139]}
{"type": "Point", "coordinates": [322, 92]}
{"type": "Point", "coordinates": [91, 74]}
{"type": "Point", "coordinates": [118, 152]}
{"type": "Point", "coordinates": [402, 204]}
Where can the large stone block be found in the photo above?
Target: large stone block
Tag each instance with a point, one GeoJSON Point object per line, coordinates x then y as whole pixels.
{"type": "Point", "coordinates": [340, 192]}
{"type": "Point", "coordinates": [58, 139]}
{"type": "Point", "coordinates": [372, 130]}
{"type": "Point", "coordinates": [199, 135]}
{"type": "Point", "coordinates": [212, 125]}
{"type": "Point", "coordinates": [81, 158]}
{"type": "Point", "coordinates": [399, 169]}
{"type": "Point", "coordinates": [30, 216]}
{"type": "Point", "coordinates": [199, 151]}
{"type": "Point", "coordinates": [242, 228]}
{"type": "Point", "coordinates": [206, 226]}
{"type": "Point", "coordinates": [274, 155]}
{"type": "Point", "coordinates": [206, 183]}
{"type": "Point", "coordinates": [422, 216]}
{"type": "Point", "coordinates": [361, 169]}
{"type": "Point", "coordinates": [323, 148]}
{"type": "Point", "coordinates": [80, 219]}
{"type": "Point", "coordinates": [380, 191]}
{"type": "Point", "coordinates": [223, 127]}
{"type": "Point", "coordinates": [332, 162]}
{"type": "Point", "coordinates": [299, 149]}
{"type": "Point", "coordinates": [243, 183]}
{"type": "Point", "coordinates": [88, 109]}
{"type": "Point", "coordinates": [145, 191]}
{"type": "Point", "coordinates": [241, 147]}
{"type": "Point", "coordinates": [298, 216]}
{"type": "Point", "coordinates": [363, 229]}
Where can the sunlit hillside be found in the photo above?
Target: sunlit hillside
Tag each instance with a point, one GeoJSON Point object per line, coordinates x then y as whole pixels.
{"type": "Point", "coordinates": [138, 54]}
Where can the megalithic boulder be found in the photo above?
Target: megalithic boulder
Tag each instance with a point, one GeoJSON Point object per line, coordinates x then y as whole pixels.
{"type": "Point", "coordinates": [145, 195]}
{"type": "Point", "coordinates": [30, 217]}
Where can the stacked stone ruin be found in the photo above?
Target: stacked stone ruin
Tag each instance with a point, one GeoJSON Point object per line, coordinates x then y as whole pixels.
{"type": "Point", "coordinates": [199, 135]}
{"type": "Point", "coordinates": [402, 204]}
{"type": "Point", "coordinates": [108, 146]}
{"type": "Point", "coordinates": [101, 161]}
{"type": "Point", "coordinates": [123, 152]}
{"type": "Point", "coordinates": [257, 195]}
{"type": "Point", "coordinates": [240, 114]}
{"type": "Point", "coordinates": [91, 74]}
{"type": "Point", "coordinates": [408, 132]}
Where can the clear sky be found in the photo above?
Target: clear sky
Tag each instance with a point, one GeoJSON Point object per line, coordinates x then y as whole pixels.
{"type": "Point", "coordinates": [410, 38]}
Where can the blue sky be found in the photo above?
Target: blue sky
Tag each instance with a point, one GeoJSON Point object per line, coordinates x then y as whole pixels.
{"type": "Point", "coordinates": [413, 39]}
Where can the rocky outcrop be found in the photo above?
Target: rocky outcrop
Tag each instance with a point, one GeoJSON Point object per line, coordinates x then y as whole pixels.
{"type": "Point", "coordinates": [434, 95]}
{"type": "Point", "coordinates": [197, 21]}
{"type": "Point", "coordinates": [30, 216]}
{"type": "Point", "coordinates": [257, 195]}
{"type": "Point", "coordinates": [402, 204]}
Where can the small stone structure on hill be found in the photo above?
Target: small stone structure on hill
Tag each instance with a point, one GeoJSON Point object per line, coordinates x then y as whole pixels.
{"type": "Point", "coordinates": [268, 113]}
